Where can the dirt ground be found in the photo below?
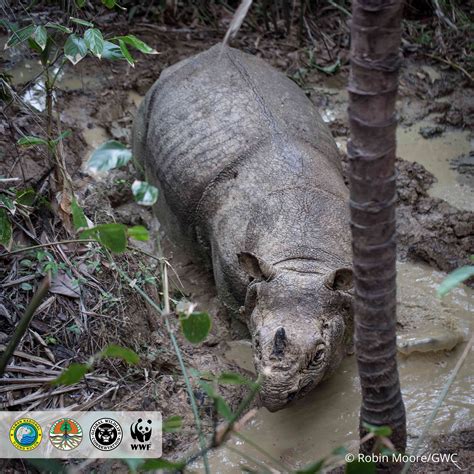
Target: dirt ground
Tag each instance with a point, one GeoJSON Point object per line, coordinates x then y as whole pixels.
{"type": "Point", "coordinates": [429, 229]}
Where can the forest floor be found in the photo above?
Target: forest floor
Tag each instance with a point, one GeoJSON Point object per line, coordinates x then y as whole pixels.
{"type": "Point", "coordinates": [97, 101]}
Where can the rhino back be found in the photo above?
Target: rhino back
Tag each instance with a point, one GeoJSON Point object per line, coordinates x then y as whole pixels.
{"type": "Point", "coordinates": [206, 114]}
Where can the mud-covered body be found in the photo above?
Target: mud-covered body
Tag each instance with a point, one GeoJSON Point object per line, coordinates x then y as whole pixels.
{"type": "Point", "coordinates": [246, 166]}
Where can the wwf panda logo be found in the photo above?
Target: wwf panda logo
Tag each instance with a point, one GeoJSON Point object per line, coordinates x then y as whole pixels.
{"type": "Point", "coordinates": [141, 430]}
{"type": "Point", "coordinates": [106, 434]}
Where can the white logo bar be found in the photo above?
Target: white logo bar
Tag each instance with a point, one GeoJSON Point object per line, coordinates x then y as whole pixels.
{"type": "Point", "coordinates": [80, 434]}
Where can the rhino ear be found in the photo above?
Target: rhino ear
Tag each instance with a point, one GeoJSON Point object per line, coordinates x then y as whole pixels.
{"type": "Point", "coordinates": [256, 267]}
{"type": "Point", "coordinates": [340, 279]}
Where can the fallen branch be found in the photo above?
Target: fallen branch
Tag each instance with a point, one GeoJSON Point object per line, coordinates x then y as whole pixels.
{"type": "Point", "coordinates": [24, 322]}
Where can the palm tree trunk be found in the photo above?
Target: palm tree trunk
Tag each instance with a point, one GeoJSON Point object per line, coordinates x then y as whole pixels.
{"type": "Point", "coordinates": [373, 82]}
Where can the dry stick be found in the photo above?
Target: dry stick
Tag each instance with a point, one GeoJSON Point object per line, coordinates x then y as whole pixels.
{"type": "Point", "coordinates": [49, 244]}
{"type": "Point", "coordinates": [24, 322]}
{"type": "Point", "coordinates": [440, 401]}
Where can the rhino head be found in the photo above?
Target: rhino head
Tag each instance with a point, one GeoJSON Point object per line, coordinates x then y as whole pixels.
{"type": "Point", "coordinates": [299, 323]}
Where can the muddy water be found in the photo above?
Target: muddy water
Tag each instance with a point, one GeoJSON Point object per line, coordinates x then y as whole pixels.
{"type": "Point", "coordinates": [328, 417]}
{"type": "Point", "coordinates": [435, 154]}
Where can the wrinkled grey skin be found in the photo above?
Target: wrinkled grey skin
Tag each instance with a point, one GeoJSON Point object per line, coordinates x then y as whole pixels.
{"type": "Point", "coordinates": [250, 178]}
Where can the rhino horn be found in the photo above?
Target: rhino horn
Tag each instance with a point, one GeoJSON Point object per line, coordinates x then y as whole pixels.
{"type": "Point", "coordinates": [279, 343]}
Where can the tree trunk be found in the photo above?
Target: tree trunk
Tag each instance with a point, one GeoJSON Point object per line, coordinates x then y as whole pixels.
{"type": "Point", "coordinates": [373, 82]}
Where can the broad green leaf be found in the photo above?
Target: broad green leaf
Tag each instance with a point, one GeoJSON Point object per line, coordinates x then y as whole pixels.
{"type": "Point", "coordinates": [80, 3]}
{"type": "Point", "coordinates": [126, 53]}
{"type": "Point", "coordinates": [40, 36]}
{"type": "Point", "coordinates": [94, 41]}
{"type": "Point", "coordinates": [137, 43]}
{"type": "Point", "coordinates": [109, 3]}
{"type": "Point", "coordinates": [144, 193]}
{"type": "Point", "coordinates": [455, 278]}
{"type": "Point", "coordinates": [110, 155]}
{"type": "Point", "coordinates": [8, 203]}
{"type": "Point", "coordinates": [57, 26]}
{"type": "Point", "coordinates": [377, 430]}
{"type": "Point", "coordinates": [233, 379]}
{"type": "Point", "coordinates": [360, 467]}
{"type": "Point", "coordinates": [312, 468]}
{"type": "Point", "coordinates": [18, 36]}
{"type": "Point", "coordinates": [26, 197]}
{"type": "Point", "coordinates": [112, 236]}
{"type": "Point", "coordinates": [111, 51]}
{"type": "Point", "coordinates": [78, 217]}
{"type": "Point", "coordinates": [73, 374]}
{"type": "Point", "coordinates": [26, 286]}
{"type": "Point", "coordinates": [63, 135]}
{"type": "Point", "coordinates": [75, 48]}
{"type": "Point", "coordinates": [172, 424]}
{"type": "Point", "coordinates": [157, 464]}
{"type": "Point", "coordinates": [138, 232]}
{"type": "Point", "coordinates": [195, 326]}
{"type": "Point", "coordinates": [127, 355]}
{"type": "Point", "coordinates": [81, 22]}
{"type": "Point", "coordinates": [5, 228]}
{"type": "Point", "coordinates": [31, 141]}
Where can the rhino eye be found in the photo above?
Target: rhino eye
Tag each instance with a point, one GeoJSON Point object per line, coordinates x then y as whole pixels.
{"type": "Point", "coordinates": [317, 359]}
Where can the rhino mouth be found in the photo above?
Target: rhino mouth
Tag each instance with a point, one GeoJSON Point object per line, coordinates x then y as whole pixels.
{"type": "Point", "coordinates": [301, 392]}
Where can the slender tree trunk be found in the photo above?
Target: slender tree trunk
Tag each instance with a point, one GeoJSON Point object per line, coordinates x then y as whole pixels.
{"type": "Point", "coordinates": [373, 82]}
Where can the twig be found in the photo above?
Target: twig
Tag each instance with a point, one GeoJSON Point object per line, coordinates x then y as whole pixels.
{"type": "Point", "coordinates": [177, 350]}
{"type": "Point", "coordinates": [450, 63]}
{"type": "Point", "coordinates": [24, 322]}
{"type": "Point", "coordinates": [49, 244]}
{"type": "Point", "coordinates": [439, 402]}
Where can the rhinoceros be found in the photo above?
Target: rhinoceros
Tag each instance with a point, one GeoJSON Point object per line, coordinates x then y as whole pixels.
{"type": "Point", "coordinates": [251, 181]}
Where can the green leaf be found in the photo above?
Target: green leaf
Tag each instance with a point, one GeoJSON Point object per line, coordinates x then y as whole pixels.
{"type": "Point", "coordinates": [127, 355]}
{"type": "Point", "coordinates": [111, 51]}
{"type": "Point", "coordinates": [339, 451]}
{"type": "Point", "coordinates": [26, 197]}
{"type": "Point", "coordinates": [172, 424]}
{"type": "Point", "coordinates": [5, 228]}
{"type": "Point", "coordinates": [8, 203]}
{"type": "Point", "coordinates": [233, 379]}
{"type": "Point", "coordinates": [75, 48]}
{"type": "Point", "coordinates": [137, 43]}
{"type": "Point", "coordinates": [138, 232]}
{"type": "Point", "coordinates": [57, 26]}
{"type": "Point", "coordinates": [454, 279]}
{"type": "Point", "coordinates": [94, 41]}
{"type": "Point", "coordinates": [195, 326]}
{"type": "Point", "coordinates": [65, 134]}
{"type": "Point", "coordinates": [26, 286]}
{"type": "Point", "coordinates": [112, 236]}
{"type": "Point", "coordinates": [80, 3]}
{"type": "Point", "coordinates": [126, 53]}
{"type": "Point", "coordinates": [18, 36]}
{"type": "Point", "coordinates": [81, 22]}
{"type": "Point", "coordinates": [78, 217]}
{"type": "Point", "coordinates": [73, 374]}
{"type": "Point", "coordinates": [157, 464]}
{"type": "Point", "coordinates": [312, 468]}
{"type": "Point", "coordinates": [360, 467]}
{"type": "Point", "coordinates": [110, 155]}
{"type": "Point", "coordinates": [377, 430]}
{"type": "Point", "coordinates": [31, 141]}
{"type": "Point", "coordinates": [109, 3]}
{"type": "Point", "coordinates": [223, 408]}
{"type": "Point", "coordinates": [51, 466]}
{"type": "Point", "coordinates": [144, 193]}
{"type": "Point", "coordinates": [331, 69]}
{"type": "Point", "coordinates": [41, 37]}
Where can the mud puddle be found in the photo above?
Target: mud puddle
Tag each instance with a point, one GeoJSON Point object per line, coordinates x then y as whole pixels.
{"type": "Point", "coordinates": [328, 417]}
{"type": "Point", "coordinates": [436, 155]}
